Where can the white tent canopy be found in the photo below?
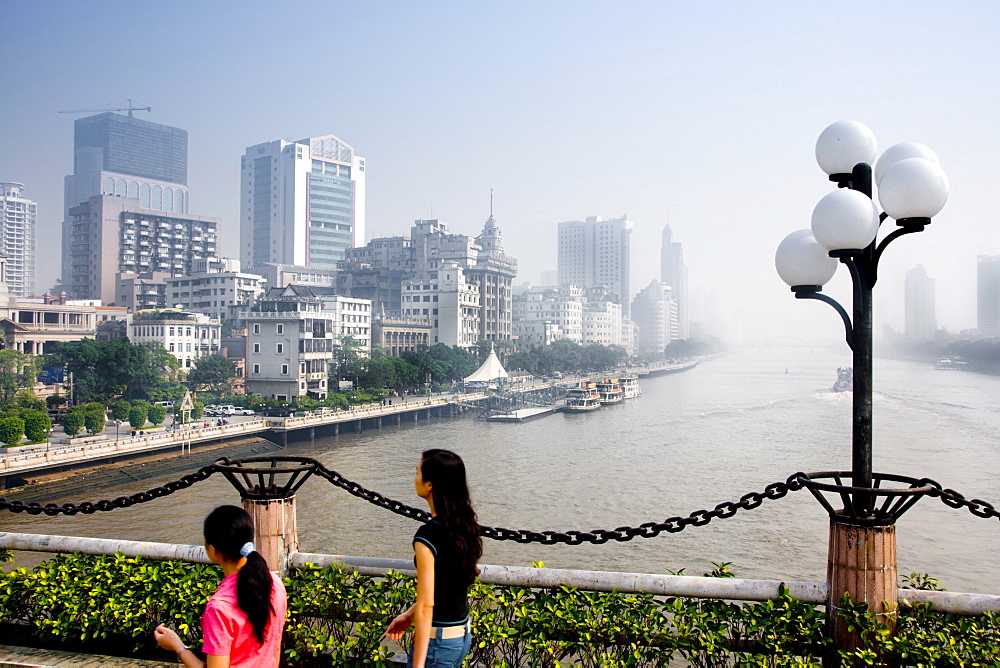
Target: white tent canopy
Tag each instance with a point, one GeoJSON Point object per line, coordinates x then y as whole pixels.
{"type": "Point", "coordinates": [490, 370]}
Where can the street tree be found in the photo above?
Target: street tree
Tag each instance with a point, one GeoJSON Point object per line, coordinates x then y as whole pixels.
{"type": "Point", "coordinates": [17, 372]}
{"type": "Point", "coordinates": [213, 373]}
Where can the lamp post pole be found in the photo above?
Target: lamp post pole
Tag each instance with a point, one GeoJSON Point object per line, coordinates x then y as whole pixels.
{"type": "Point", "coordinates": [845, 227]}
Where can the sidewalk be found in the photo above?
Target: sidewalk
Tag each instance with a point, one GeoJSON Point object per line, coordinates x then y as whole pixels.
{"type": "Point", "coordinates": [45, 658]}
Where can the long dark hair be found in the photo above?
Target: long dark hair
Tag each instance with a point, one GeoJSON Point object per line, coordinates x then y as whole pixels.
{"type": "Point", "coordinates": [227, 529]}
{"type": "Point", "coordinates": [445, 471]}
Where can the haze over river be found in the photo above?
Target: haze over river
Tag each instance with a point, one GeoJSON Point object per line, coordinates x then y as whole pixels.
{"type": "Point", "coordinates": [692, 440]}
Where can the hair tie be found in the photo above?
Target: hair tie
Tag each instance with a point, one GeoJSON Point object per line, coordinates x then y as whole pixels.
{"type": "Point", "coordinates": [246, 549]}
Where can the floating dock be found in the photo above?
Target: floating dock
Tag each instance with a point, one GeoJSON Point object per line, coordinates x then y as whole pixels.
{"type": "Point", "coordinates": [522, 414]}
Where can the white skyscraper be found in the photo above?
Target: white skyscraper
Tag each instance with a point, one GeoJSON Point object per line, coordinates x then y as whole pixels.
{"type": "Point", "coordinates": [302, 203]}
{"type": "Point", "coordinates": [595, 253]}
{"type": "Point", "coordinates": [17, 217]}
{"type": "Point", "coordinates": [920, 321]}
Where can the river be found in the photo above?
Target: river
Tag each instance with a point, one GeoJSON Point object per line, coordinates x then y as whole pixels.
{"type": "Point", "coordinates": [693, 439]}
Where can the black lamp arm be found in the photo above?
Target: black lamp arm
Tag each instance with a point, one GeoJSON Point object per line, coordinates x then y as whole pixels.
{"type": "Point", "coordinates": [819, 296]}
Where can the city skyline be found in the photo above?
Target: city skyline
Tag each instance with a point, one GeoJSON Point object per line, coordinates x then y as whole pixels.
{"type": "Point", "coordinates": [704, 116]}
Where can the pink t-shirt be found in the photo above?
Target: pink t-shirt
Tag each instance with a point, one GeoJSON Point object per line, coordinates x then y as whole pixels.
{"type": "Point", "coordinates": [228, 633]}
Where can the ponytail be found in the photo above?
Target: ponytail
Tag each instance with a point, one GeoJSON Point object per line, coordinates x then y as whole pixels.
{"type": "Point", "coordinates": [230, 531]}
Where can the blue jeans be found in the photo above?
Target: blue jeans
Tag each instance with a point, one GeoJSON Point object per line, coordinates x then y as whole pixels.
{"type": "Point", "coordinates": [444, 653]}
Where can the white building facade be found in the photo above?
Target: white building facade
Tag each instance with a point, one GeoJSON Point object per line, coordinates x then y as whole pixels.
{"type": "Point", "coordinates": [303, 202]}
{"type": "Point", "coordinates": [215, 286]}
{"type": "Point", "coordinates": [18, 215]}
{"type": "Point", "coordinates": [562, 307]}
{"type": "Point", "coordinates": [654, 312]}
{"type": "Point", "coordinates": [352, 317]}
{"type": "Point", "coordinates": [448, 302]}
{"type": "Point", "coordinates": [186, 336]}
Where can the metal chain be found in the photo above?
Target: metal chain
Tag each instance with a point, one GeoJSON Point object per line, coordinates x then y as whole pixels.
{"type": "Point", "coordinates": [88, 508]}
{"type": "Point", "coordinates": [954, 499]}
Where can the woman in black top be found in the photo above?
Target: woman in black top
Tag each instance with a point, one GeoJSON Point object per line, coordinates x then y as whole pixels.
{"type": "Point", "coordinates": [446, 550]}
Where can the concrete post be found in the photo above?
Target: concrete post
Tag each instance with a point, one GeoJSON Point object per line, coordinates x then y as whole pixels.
{"type": "Point", "coordinates": [275, 531]}
{"type": "Point", "coordinates": [862, 564]}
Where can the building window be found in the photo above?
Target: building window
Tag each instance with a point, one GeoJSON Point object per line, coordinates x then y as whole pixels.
{"type": "Point", "coordinates": [281, 329]}
{"type": "Point", "coordinates": [256, 348]}
{"type": "Point", "coordinates": [284, 369]}
{"type": "Point", "coordinates": [280, 348]}
{"type": "Point", "coordinates": [256, 329]}
{"type": "Point", "coordinates": [256, 368]}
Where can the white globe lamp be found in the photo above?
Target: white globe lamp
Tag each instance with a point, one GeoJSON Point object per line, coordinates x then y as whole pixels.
{"type": "Point", "coordinates": [845, 220]}
{"type": "Point", "coordinates": [913, 188]}
{"type": "Point", "coordinates": [800, 260]}
{"type": "Point", "coordinates": [902, 151]}
{"type": "Point", "coordinates": [843, 145]}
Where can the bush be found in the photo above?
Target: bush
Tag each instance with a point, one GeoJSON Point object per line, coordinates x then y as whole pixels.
{"type": "Point", "coordinates": [11, 430]}
{"type": "Point", "coordinates": [120, 409]}
{"type": "Point", "coordinates": [28, 399]}
{"type": "Point", "coordinates": [54, 401]}
{"type": "Point", "coordinates": [36, 425]}
{"type": "Point", "coordinates": [73, 421]}
{"type": "Point", "coordinates": [137, 416]}
{"type": "Point", "coordinates": [198, 410]}
{"type": "Point", "coordinates": [157, 413]}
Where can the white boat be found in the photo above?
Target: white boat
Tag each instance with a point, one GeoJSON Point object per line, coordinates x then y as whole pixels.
{"type": "Point", "coordinates": [630, 386]}
{"type": "Point", "coordinates": [582, 399]}
{"type": "Point", "coordinates": [610, 391]}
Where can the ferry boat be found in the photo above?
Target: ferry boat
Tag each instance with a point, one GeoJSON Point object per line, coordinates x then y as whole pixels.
{"type": "Point", "coordinates": [630, 386]}
{"type": "Point", "coordinates": [582, 399]}
{"type": "Point", "coordinates": [845, 380]}
{"type": "Point", "coordinates": [610, 391]}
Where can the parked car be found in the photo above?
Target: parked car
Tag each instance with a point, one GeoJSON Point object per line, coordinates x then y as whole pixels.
{"type": "Point", "coordinates": [280, 411]}
{"type": "Point", "coordinates": [243, 411]}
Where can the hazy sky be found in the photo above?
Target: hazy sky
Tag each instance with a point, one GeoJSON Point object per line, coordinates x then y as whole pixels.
{"type": "Point", "coordinates": [701, 114]}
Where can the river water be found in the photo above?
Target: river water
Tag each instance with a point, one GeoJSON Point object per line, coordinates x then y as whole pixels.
{"type": "Point", "coordinates": [692, 440]}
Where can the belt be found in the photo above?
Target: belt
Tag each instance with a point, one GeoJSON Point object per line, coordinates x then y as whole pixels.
{"type": "Point", "coordinates": [447, 632]}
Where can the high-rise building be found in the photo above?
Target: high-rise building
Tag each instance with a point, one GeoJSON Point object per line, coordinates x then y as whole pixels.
{"type": "Point", "coordinates": [595, 253]}
{"type": "Point", "coordinates": [654, 312]}
{"type": "Point", "coordinates": [144, 165]}
{"type": "Point", "coordinates": [303, 203]}
{"type": "Point", "coordinates": [673, 272]}
{"type": "Point", "coordinates": [920, 321]}
{"type": "Point", "coordinates": [988, 296]}
{"type": "Point", "coordinates": [128, 157]}
{"type": "Point", "coordinates": [109, 235]}
{"type": "Point", "coordinates": [17, 234]}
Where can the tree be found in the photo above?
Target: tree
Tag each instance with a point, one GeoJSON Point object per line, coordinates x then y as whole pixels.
{"type": "Point", "coordinates": [120, 409]}
{"type": "Point", "coordinates": [94, 417]}
{"type": "Point", "coordinates": [36, 425]}
{"type": "Point", "coordinates": [104, 369]}
{"type": "Point", "coordinates": [11, 430]}
{"type": "Point", "coordinates": [28, 399]}
{"type": "Point", "coordinates": [17, 371]}
{"type": "Point", "coordinates": [214, 373]}
{"type": "Point", "coordinates": [73, 421]}
{"type": "Point", "coordinates": [157, 413]}
{"type": "Point", "coordinates": [137, 416]}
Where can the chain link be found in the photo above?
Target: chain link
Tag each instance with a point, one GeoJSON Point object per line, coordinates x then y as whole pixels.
{"type": "Point", "coordinates": [698, 518]}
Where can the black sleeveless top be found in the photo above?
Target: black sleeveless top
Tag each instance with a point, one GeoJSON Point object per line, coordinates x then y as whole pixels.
{"type": "Point", "coordinates": [451, 596]}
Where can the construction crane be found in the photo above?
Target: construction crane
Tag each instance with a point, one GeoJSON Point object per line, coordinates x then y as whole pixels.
{"type": "Point", "coordinates": [129, 109]}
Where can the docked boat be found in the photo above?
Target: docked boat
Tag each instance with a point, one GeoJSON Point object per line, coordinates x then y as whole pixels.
{"type": "Point", "coordinates": [630, 386]}
{"type": "Point", "coordinates": [610, 391]}
{"type": "Point", "coordinates": [582, 399]}
{"type": "Point", "coordinates": [949, 364]}
{"type": "Point", "coordinates": [845, 380]}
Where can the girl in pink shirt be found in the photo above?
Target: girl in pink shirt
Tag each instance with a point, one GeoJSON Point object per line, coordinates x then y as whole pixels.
{"type": "Point", "coordinates": [244, 619]}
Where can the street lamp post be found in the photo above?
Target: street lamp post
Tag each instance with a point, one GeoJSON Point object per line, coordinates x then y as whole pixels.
{"type": "Point", "coordinates": [912, 189]}
{"type": "Point", "coordinates": [118, 423]}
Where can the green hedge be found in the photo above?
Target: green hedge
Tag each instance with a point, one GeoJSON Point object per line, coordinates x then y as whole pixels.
{"type": "Point", "coordinates": [337, 617]}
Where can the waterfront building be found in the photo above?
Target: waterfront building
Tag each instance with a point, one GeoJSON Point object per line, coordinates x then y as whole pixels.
{"type": "Point", "coordinates": [654, 312]}
{"type": "Point", "coordinates": [988, 296]}
{"type": "Point", "coordinates": [674, 273]}
{"type": "Point", "coordinates": [920, 322]}
{"type": "Point", "coordinates": [303, 202]}
{"type": "Point", "coordinates": [107, 235]}
{"type": "Point", "coordinates": [123, 156]}
{"type": "Point", "coordinates": [601, 323]}
{"type": "Point", "coordinates": [376, 272]}
{"type": "Point", "coordinates": [596, 252]}
{"type": "Point", "coordinates": [18, 216]}
{"type": "Point", "coordinates": [562, 308]}
{"type": "Point", "coordinates": [492, 272]}
{"type": "Point", "coordinates": [216, 287]}
{"type": "Point", "coordinates": [397, 335]}
{"type": "Point", "coordinates": [185, 335]}
{"type": "Point", "coordinates": [449, 303]}
{"type": "Point", "coordinates": [351, 317]}
{"type": "Point", "coordinates": [289, 344]}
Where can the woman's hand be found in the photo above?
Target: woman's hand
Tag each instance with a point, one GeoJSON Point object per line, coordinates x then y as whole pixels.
{"type": "Point", "coordinates": [167, 639]}
{"type": "Point", "coordinates": [398, 626]}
